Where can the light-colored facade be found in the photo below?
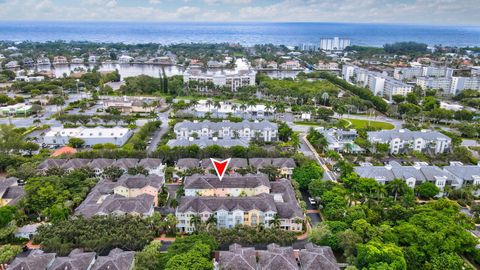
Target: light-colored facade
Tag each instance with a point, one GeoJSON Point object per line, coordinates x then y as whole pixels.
{"type": "Point", "coordinates": [130, 104]}
{"type": "Point", "coordinates": [252, 210]}
{"type": "Point", "coordinates": [404, 140]}
{"type": "Point", "coordinates": [266, 131]}
{"type": "Point", "coordinates": [242, 75]}
{"type": "Point", "coordinates": [450, 85]}
{"type": "Point", "coordinates": [91, 136]}
{"type": "Point", "coordinates": [334, 44]}
{"type": "Point", "coordinates": [407, 73]}
{"type": "Point", "coordinates": [231, 185]}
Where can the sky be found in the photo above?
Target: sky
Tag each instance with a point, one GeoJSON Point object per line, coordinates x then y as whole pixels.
{"type": "Point", "coordinates": [440, 12]}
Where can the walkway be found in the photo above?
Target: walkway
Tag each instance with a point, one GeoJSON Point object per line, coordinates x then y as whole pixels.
{"type": "Point", "coordinates": [319, 159]}
{"type": "Point", "coordinates": [160, 132]}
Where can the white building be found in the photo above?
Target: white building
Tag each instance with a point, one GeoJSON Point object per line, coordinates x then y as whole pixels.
{"type": "Point", "coordinates": [290, 64]}
{"type": "Point", "coordinates": [461, 83]}
{"type": "Point", "coordinates": [125, 59]}
{"type": "Point", "coordinates": [451, 85]}
{"type": "Point", "coordinates": [379, 83]}
{"type": "Point", "coordinates": [334, 44]}
{"type": "Point", "coordinates": [407, 73]}
{"type": "Point", "coordinates": [91, 136]}
{"type": "Point", "coordinates": [242, 75]}
{"type": "Point", "coordinates": [432, 71]}
{"type": "Point", "coordinates": [267, 131]}
{"type": "Point", "coordinates": [404, 140]}
{"type": "Point", "coordinates": [29, 79]}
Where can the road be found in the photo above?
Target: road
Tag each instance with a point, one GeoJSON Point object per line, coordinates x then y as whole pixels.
{"type": "Point", "coordinates": [160, 132]}
{"type": "Point", "coordinates": [327, 173]}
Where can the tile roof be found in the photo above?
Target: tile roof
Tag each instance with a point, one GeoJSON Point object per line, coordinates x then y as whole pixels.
{"type": "Point", "coordinates": [76, 260]}
{"type": "Point", "coordinates": [188, 163]}
{"type": "Point", "coordinates": [276, 257]}
{"type": "Point", "coordinates": [283, 162]}
{"type": "Point", "coordinates": [117, 259]}
{"type": "Point", "coordinates": [260, 163]}
{"type": "Point", "coordinates": [406, 135]}
{"type": "Point", "coordinates": [238, 258]}
{"type": "Point", "coordinates": [209, 181]}
{"type": "Point", "coordinates": [314, 257]}
{"type": "Point", "coordinates": [101, 163]}
{"type": "Point", "coordinates": [36, 260]}
{"type": "Point", "coordinates": [150, 163]}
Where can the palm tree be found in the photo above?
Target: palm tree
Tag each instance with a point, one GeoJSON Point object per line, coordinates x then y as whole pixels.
{"type": "Point", "coordinates": [209, 103]}
{"type": "Point", "coordinates": [348, 147]}
{"type": "Point", "coordinates": [174, 203]}
{"type": "Point", "coordinates": [275, 222]}
{"type": "Point", "coordinates": [243, 108]}
{"type": "Point", "coordinates": [211, 221]}
{"type": "Point", "coordinates": [217, 106]}
{"type": "Point", "coordinates": [325, 97]}
{"type": "Point", "coordinates": [195, 220]}
{"type": "Point", "coordinates": [295, 140]}
{"type": "Point", "coordinates": [234, 108]}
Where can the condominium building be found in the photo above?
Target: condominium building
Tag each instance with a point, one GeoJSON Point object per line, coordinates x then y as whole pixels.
{"type": "Point", "coordinates": [256, 209]}
{"type": "Point", "coordinates": [136, 195]}
{"type": "Point", "coordinates": [241, 75]}
{"type": "Point", "coordinates": [231, 185]}
{"type": "Point", "coordinates": [334, 44]}
{"type": "Point", "coordinates": [449, 85]}
{"type": "Point", "coordinates": [407, 73]}
{"type": "Point", "coordinates": [91, 136]}
{"type": "Point", "coordinates": [379, 83]}
{"type": "Point", "coordinates": [404, 140]}
{"type": "Point", "coordinates": [265, 131]}
{"type": "Point", "coordinates": [412, 175]}
{"type": "Point", "coordinates": [432, 71]}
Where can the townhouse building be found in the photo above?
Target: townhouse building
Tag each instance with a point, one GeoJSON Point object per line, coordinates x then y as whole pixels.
{"type": "Point", "coordinates": [256, 210]}
{"type": "Point", "coordinates": [231, 185]}
{"type": "Point", "coordinates": [265, 131]}
{"type": "Point", "coordinates": [98, 135]}
{"type": "Point", "coordinates": [404, 140]}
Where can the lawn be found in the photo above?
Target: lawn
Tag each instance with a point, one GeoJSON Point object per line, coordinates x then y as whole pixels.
{"type": "Point", "coordinates": [358, 123]}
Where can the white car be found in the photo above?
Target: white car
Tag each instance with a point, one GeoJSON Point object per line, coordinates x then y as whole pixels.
{"type": "Point", "coordinates": [312, 201]}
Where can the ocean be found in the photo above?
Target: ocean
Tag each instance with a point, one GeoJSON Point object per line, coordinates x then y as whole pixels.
{"type": "Point", "coordinates": [245, 33]}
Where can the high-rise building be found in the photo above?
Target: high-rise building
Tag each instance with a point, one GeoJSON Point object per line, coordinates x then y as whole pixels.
{"type": "Point", "coordinates": [334, 44]}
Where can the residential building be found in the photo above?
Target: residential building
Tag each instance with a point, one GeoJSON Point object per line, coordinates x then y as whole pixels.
{"type": "Point", "coordinates": [265, 131]}
{"type": "Point", "coordinates": [225, 109]}
{"type": "Point", "coordinates": [340, 140]}
{"type": "Point", "coordinates": [291, 64]}
{"type": "Point", "coordinates": [412, 175]}
{"type": "Point", "coordinates": [231, 185]}
{"type": "Point", "coordinates": [312, 257]}
{"type": "Point", "coordinates": [20, 109]}
{"type": "Point", "coordinates": [36, 258]}
{"type": "Point", "coordinates": [465, 175]}
{"type": "Point", "coordinates": [154, 166]}
{"type": "Point", "coordinates": [77, 60]}
{"type": "Point", "coordinates": [43, 61]}
{"type": "Point", "coordinates": [247, 210]}
{"type": "Point", "coordinates": [442, 83]}
{"type": "Point", "coordinates": [461, 83]}
{"type": "Point", "coordinates": [125, 59]}
{"type": "Point", "coordinates": [379, 84]}
{"type": "Point", "coordinates": [136, 195]}
{"type": "Point", "coordinates": [403, 140]}
{"type": "Point", "coordinates": [184, 164]}
{"type": "Point", "coordinates": [28, 62]}
{"type": "Point", "coordinates": [12, 65]}
{"type": "Point", "coordinates": [60, 60]}
{"type": "Point", "coordinates": [10, 191]}
{"type": "Point", "coordinates": [99, 135]}
{"type": "Point", "coordinates": [334, 44]}
{"type": "Point", "coordinates": [27, 231]}
{"type": "Point", "coordinates": [131, 104]}
{"type": "Point", "coordinates": [433, 71]}
{"type": "Point", "coordinates": [242, 75]}
{"type": "Point", "coordinates": [78, 259]}
{"type": "Point", "coordinates": [29, 78]}
{"type": "Point", "coordinates": [407, 73]}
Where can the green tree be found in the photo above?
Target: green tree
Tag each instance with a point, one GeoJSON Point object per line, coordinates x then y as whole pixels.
{"type": "Point", "coordinates": [150, 257]}
{"type": "Point", "coordinates": [112, 173]}
{"type": "Point", "coordinates": [8, 252]}
{"type": "Point", "coordinates": [76, 142]}
{"type": "Point", "coordinates": [427, 190]}
{"type": "Point", "coordinates": [307, 173]}
{"type": "Point", "coordinates": [377, 255]}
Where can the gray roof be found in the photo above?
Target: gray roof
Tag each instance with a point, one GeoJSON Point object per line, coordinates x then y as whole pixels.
{"type": "Point", "coordinates": [314, 257]}
{"type": "Point", "coordinates": [101, 199]}
{"type": "Point", "coordinates": [15, 193]}
{"type": "Point", "coordinates": [220, 125]}
{"type": "Point", "coordinates": [187, 163]}
{"type": "Point", "coordinates": [5, 183]}
{"type": "Point", "coordinates": [396, 171]}
{"type": "Point", "coordinates": [101, 163]}
{"type": "Point", "coordinates": [209, 181]}
{"type": "Point", "coordinates": [51, 163]}
{"type": "Point", "coordinates": [238, 163]}
{"type": "Point", "coordinates": [283, 162]}
{"type": "Point", "coordinates": [150, 163]}
{"type": "Point", "coordinates": [76, 260]}
{"type": "Point", "coordinates": [117, 259]}
{"type": "Point", "coordinates": [407, 135]}
{"type": "Point", "coordinates": [281, 200]}
{"type": "Point", "coordinates": [203, 142]}
{"type": "Point", "coordinates": [238, 258]}
{"type": "Point", "coordinates": [126, 163]}
{"type": "Point", "coordinates": [464, 172]}
{"type": "Point", "coordinates": [276, 257]}
{"type": "Point", "coordinates": [260, 163]}
{"type": "Point", "coordinates": [76, 163]}
{"type": "Point", "coordinates": [36, 260]}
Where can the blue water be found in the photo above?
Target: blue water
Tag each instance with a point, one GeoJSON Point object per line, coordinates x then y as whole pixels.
{"type": "Point", "coordinates": [244, 33]}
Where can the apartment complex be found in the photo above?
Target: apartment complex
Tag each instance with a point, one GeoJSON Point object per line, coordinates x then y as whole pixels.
{"type": "Point", "coordinates": [242, 75]}
{"type": "Point", "coordinates": [407, 73]}
{"type": "Point", "coordinates": [334, 44]}
{"type": "Point", "coordinates": [99, 135]}
{"type": "Point", "coordinates": [116, 259]}
{"type": "Point", "coordinates": [340, 140]}
{"type": "Point", "coordinates": [380, 84]}
{"type": "Point", "coordinates": [312, 257]}
{"type": "Point", "coordinates": [136, 195]}
{"type": "Point", "coordinates": [404, 140]}
{"type": "Point", "coordinates": [449, 85]}
{"type": "Point", "coordinates": [258, 202]}
{"type": "Point", "coordinates": [266, 131]}
{"type": "Point", "coordinates": [152, 165]}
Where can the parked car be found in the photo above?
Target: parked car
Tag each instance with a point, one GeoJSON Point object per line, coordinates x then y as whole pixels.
{"type": "Point", "coordinates": [312, 201]}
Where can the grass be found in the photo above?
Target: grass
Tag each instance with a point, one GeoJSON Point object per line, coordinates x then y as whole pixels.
{"type": "Point", "coordinates": [306, 123]}
{"type": "Point", "coordinates": [359, 123]}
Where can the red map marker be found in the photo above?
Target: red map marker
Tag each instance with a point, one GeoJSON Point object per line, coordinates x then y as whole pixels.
{"type": "Point", "coordinates": [220, 167]}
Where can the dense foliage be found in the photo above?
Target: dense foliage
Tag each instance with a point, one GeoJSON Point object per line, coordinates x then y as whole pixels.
{"type": "Point", "coordinates": [99, 233]}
